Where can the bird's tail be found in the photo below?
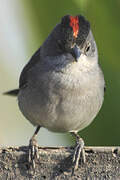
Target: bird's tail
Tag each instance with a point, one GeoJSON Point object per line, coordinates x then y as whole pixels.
{"type": "Point", "coordinates": [13, 92]}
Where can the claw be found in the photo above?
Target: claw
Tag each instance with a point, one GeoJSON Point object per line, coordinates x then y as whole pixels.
{"type": "Point", "coordinates": [83, 155]}
{"type": "Point", "coordinates": [79, 152]}
{"type": "Point", "coordinates": [33, 152]}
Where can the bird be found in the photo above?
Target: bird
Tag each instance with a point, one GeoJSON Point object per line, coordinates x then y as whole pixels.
{"type": "Point", "coordinates": [61, 88]}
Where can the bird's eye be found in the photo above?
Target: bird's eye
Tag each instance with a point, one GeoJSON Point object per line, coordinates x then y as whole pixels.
{"type": "Point", "coordinates": [87, 48]}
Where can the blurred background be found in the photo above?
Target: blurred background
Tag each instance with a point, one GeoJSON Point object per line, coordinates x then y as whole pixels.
{"type": "Point", "coordinates": [24, 25]}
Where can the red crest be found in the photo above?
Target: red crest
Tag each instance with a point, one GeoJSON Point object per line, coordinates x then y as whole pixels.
{"type": "Point", "coordinates": [74, 23]}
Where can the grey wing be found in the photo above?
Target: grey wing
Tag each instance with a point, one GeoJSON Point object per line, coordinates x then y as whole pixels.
{"type": "Point", "coordinates": [23, 77]}
{"type": "Point", "coordinates": [24, 74]}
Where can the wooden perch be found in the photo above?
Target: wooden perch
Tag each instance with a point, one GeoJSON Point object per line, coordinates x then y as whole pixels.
{"type": "Point", "coordinates": [55, 163]}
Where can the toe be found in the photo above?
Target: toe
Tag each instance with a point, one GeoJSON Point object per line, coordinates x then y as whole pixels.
{"type": "Point", "coordinates": [33, 152]}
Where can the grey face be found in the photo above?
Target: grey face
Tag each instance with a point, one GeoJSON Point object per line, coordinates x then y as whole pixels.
{"type": "Point", "coordinates": [89, 48]}
{"type": "Point", "coordinates": [87, 51]}
{"type": "Point", "coordinates": [81, 47]}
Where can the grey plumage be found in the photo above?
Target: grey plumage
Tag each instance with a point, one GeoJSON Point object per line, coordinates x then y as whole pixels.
{"type": "Point", "coordinates": [62, 86]}
{"type": "Point", "coordinates": [60, 94]}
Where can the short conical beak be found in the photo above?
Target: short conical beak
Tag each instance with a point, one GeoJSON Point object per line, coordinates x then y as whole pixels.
{"type": "Point", "coordinates": [76, 52]}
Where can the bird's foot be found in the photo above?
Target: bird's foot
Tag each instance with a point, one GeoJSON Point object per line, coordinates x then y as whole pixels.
{"type": "Point", "coordinates": [79, 153]}
{"type": "Point", "coordinates": [33, 154]}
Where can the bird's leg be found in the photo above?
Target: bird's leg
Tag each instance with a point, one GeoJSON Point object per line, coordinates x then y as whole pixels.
{"type": "Point", "coordinates": [79, 151]}
{"type": "Point", "coordinates": [33, 149]}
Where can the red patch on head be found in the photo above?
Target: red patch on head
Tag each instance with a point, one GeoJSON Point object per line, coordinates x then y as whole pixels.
{"type": "Point", "coordinates": [74, 23]}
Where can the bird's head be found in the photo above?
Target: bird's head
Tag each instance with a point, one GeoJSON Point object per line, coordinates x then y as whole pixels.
{"type": "Point", "coordinates": [72, 36]}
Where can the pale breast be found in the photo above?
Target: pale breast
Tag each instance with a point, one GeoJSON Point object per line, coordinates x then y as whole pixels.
{"type": "Point", "coordinates": [63, 102]}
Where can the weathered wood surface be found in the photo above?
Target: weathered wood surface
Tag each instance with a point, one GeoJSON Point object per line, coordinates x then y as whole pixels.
{"type": "Point", "coordinates": [55, 163]}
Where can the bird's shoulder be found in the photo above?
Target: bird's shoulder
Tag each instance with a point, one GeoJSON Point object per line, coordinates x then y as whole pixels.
{"type": "Point", "coordinates": [24, 74]}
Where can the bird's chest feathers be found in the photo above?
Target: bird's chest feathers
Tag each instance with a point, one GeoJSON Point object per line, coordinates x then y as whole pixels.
{"type": "Point", "coordinates": [73, 80]}
{"type": "Point", "coordinates": [74, 84]}
{"type": "Point", "coordinates": [70, 94]}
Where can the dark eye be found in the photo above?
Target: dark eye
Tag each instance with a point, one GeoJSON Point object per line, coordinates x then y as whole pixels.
{"type": "Point", "coordinates": [88, 48]}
